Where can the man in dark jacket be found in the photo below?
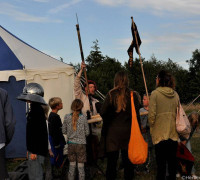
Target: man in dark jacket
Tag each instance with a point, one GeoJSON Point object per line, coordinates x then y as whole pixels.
{"type": "Point", "coordinates": [36, 141]}
{"type": "Point", "coordinates": [36, 130]}
{"type": "Point", "coordinates": [7, 127]}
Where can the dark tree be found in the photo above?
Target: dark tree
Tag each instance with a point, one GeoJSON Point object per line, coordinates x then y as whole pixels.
{"type": "Point", "coordinates": [95, 57]}
{"type": "Point", "coordinates": [102, 69]}
{"type": "Point", "coordinates": [193, 82]}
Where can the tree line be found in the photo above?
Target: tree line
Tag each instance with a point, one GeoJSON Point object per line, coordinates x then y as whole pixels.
{"type": "Point", "coordinates": [102, 69]}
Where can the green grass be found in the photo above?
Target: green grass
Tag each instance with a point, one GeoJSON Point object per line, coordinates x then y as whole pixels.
{"type": "Point", "coordinates": [13, 163]}
{"type": "Point", "coordinates": [195, 143]}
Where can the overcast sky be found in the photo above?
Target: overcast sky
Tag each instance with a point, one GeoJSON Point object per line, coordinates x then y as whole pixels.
{"type": "Point", "coordinates": [168, 28]}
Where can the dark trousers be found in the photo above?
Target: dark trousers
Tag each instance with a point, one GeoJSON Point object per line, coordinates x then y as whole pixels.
{"type": "Point", "coordinates": [111, 171]}
{"type": "Point", "coordinates": [3, 169]}
{"type": "Point", "coordinates": [166, 155]}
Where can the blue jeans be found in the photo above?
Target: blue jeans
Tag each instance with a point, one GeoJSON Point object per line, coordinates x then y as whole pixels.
{"type": "Point", "coordinates": [58, 158]}
{"type": "Point", "coordinates": [3, 170]}
{"type": "Point", "coordinates": [35, 167]}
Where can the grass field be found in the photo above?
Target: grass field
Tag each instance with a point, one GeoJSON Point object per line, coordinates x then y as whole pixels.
{"type": "Point", "coordinates": [195, 143]}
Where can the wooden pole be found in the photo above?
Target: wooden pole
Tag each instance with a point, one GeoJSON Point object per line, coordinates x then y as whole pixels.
{"type": "Point", "coordinates": [140, 59]}
{"type": "Point", "coordinates": [82, 56]}
{"type": "Point", "coordinates": [192, 102]}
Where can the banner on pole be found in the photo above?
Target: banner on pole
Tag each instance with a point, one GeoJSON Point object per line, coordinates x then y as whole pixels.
{"type": "Point", "coordinates": [134, 43]}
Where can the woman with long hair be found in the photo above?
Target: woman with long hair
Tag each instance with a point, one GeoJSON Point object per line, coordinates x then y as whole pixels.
{"type": "Point", "coordinates": [162, 119]}
{"type": "Point", "coordinates": [75, 126]}
{"type": "Point", "coordinates": [116, 130]}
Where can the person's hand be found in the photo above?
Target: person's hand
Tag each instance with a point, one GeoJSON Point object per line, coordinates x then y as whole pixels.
{"type": "Point", "coordinates": [57, 146]}
{"type": "Point", "coordinates": [33, 156]}
{"type": "Point", "coordinates": [83, 65]}
{"type": "Point", "coordinates": [143, 130]}
{"type": "Point", "coordinates": [184, 142]}
{"type": "Point", "coordinates": [51, 153]}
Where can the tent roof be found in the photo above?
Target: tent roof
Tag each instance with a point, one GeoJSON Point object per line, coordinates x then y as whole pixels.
{"type": "Point", "coordinates": [16, 54]}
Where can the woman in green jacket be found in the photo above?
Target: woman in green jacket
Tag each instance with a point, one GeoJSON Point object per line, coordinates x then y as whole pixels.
{"type": "Point", "coordinates": [162, 119]}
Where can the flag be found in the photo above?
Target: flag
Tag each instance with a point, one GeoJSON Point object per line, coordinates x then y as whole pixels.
{"type": "Point", "coordinates": [133, 44]}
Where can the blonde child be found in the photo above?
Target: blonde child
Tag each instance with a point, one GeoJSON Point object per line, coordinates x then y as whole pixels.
{"type": "Point", "coordinates": [56, 138]}
{"type": "Point", "coordinates": [75, 126]}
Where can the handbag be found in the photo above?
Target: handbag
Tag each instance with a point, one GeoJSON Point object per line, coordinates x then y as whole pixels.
{"type": "Point", "coordinates": [137, 147]}
{"type": "Point", "coordinates": [183, 126]}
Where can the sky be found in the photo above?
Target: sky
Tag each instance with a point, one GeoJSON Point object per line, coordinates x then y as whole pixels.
{"type": "Point", "coordinates": [167, 28]}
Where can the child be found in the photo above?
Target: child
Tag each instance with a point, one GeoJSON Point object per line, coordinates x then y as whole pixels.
{"type": "Point", "coordinates": [36, 130]}
{"type": "Point", "coordinates": [145, 129]}
{"type": "Point", "coordinates": [76, 127]}
{"type": "Point", "coordinates": [56, 138]}
{"type": "Point", "coordinates": [194, 118]}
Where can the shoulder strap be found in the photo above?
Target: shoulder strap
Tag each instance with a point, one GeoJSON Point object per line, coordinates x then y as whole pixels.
{"type": "Point", "coordinates": [90, 102]}
{"type": "Point", "coordinates": [132, 105]}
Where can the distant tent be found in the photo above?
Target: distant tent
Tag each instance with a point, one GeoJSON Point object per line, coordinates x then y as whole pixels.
{"type": "Point", "coordinates": [20, 63]}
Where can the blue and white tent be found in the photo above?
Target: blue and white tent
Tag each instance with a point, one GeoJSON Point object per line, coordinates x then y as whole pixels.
{"type": "Point", "coordinates": [20, 63]}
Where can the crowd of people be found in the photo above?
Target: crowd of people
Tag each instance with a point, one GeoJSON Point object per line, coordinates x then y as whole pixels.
{"type": "Point", "coordinates": [46, 135]}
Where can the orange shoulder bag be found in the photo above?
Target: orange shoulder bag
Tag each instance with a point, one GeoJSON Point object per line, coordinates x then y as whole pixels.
{"type": "Point", "coordinates": [137, 148]}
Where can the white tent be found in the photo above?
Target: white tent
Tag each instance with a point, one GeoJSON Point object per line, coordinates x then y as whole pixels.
{"type": "Point", "coordinates": [27, 64]}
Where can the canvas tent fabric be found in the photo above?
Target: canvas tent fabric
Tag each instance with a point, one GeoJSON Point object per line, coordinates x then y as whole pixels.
{"type": "Point", "coordinates": [20, 63]}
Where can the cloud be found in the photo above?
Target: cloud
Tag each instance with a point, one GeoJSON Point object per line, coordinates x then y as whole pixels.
{"type": "Point", "coordinates": [174, 38]}
{"type": "Point", "coordinates": [111, 2]}
{"type": "Point", "coordinates": [193, 22]}
{"type": "Point", "coordinates": [169, 43]}
{"type": "Point", "coordinates": [13, 12]}
{"type": "Point", "coordinates": [182, 63]}
{"type": "Point", "coordinates": [158, 7]}
{"type": "Point", "coordinates": [64, 6]}
{"type": "Point", "coordinates": [41, 1]}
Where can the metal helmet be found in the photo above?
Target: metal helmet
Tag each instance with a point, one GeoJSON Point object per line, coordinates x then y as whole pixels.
{"type": "Point", "coordinates": [33, 92]}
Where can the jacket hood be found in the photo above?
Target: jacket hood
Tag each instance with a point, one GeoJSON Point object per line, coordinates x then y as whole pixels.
{"type": "Point", "coordinates": [167, 91]}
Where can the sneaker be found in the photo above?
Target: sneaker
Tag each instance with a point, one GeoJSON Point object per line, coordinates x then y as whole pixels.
{"type": "Point", "coordinates": [194, 176]}
{"type": "Point", "coordinates": [146, 170]}
{"type": "Point", "coordinates": [178, 175]}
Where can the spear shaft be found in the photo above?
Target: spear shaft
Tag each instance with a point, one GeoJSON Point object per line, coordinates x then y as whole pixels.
{"type": "Point", "coordinates": [82, 56]}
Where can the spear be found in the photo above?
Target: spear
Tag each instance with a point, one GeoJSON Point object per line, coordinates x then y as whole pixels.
{"type": "Point", "coordinates": [82, 56]}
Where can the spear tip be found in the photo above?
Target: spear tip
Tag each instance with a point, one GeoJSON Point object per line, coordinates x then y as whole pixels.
{"type": "Point", "coordinates": [77, 18]}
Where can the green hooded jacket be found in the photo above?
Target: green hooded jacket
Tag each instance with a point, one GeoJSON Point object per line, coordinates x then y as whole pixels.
{"type": "Point", "coordinates": [162, 114]}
